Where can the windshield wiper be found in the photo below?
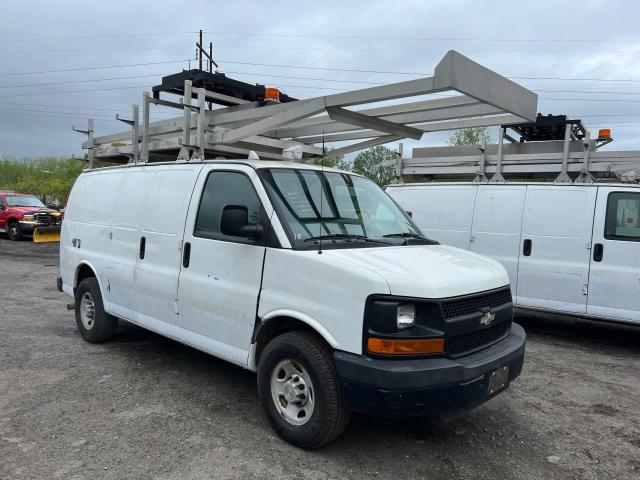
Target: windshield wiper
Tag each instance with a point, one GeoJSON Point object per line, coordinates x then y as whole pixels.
{"type": "Point", "coordinates": [409, 235]}
{"type": "Point", "coordinates": [404, 235]}
{"type": "Point", "coordinates": [345, 236]}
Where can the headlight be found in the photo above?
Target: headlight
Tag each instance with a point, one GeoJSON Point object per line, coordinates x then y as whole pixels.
{"type": "Point", "coordinates": [27, 218]}
{"type": "Point", "coordinates": [406, 315]}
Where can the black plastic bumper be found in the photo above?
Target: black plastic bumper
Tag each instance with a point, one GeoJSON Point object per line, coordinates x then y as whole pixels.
{"type": "Point", "coordinates": [29, 228]}
{"type": "Point", "coordinates": [435, 386]}
{"type": "Point", "coordinates": [59, 284]}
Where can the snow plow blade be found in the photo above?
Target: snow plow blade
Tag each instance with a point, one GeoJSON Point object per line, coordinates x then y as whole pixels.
{"type": "Point", "coordinates": [46, 234]}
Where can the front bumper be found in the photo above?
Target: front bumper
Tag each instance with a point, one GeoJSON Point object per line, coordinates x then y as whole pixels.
{"type": "Point", "coordinates": [29, 227]}
{"type": "Point", "coordinates": [432, 386]}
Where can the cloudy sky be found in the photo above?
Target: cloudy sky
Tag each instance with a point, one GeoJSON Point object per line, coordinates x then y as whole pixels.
{"type": "Point", "coordinates": [99, 56]}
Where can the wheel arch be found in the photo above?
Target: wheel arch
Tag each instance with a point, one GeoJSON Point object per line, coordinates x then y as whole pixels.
{"type": "Point", "coordinates": [85, 270]}
{"type": "Point", "coordinates": [278, 322]}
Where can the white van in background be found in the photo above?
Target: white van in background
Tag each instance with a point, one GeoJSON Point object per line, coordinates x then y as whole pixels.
{"type": "Point", "coordinates": [568, 248]}
{"type": "Point", "coordinates": [312, 277]}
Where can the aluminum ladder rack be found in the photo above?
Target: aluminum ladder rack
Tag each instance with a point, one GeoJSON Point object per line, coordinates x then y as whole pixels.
{"type": "Point", "coordinates": [551, 149]}
{"type": "Point", "coordinates": [297, 129]}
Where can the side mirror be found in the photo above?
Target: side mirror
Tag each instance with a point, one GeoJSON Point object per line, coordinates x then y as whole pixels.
{"type": "Point", "coordinates": [409, 212]}
{"type": "Point", "coordinates": [234, 222]}
{"type": "Point", "coordinates": [1, 206]}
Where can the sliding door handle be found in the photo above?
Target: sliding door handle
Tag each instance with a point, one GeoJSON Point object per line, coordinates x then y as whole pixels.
{"type": "Point", "coordinates": [526, 247]}
{"type": "Point", "coordinates": [143, 244]}
{"type": "Point", "coordinates": [598, 252]}
{"type": "Point", "coordinates": [186, 255]}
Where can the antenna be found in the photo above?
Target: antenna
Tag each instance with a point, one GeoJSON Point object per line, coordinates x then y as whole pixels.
{"type": "Point", "coordinates": [324, 152]}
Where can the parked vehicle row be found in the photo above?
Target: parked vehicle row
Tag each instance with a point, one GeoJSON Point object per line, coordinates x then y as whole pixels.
{"type": "Point", "coordinates": [312, 277]}
{"type": "Point", "coordinates": [568, 248]}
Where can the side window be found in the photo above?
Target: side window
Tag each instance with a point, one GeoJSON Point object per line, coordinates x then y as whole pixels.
{"type": "Point", "coordinates": [221, 189]}
{"type": "Point", "coordinates": [622, 222]}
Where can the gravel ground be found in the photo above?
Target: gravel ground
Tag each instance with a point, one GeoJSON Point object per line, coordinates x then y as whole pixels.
{"type": "Point", "coordinates": [143, 406]}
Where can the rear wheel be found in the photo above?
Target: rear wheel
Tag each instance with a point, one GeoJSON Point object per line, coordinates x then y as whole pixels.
{"type": "Point", "coordinates": [299, 390]}
{"type": "Point", "coordinates": [94, 324]}
{"type": "Point", "coordinates": [15, 231]}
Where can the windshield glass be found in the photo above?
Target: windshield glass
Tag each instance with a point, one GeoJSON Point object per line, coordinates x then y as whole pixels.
{"type": "Point", "coordinates": [337, 207]}
{"type": "Point", "coordinates": [24, 201]}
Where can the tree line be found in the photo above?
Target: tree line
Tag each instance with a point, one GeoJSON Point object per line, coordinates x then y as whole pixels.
{"type": "Point", "coordinates": [48, 178]}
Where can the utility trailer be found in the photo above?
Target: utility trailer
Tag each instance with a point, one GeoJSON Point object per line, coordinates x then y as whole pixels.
{"type": "Point", "coordinates": [460, 94]}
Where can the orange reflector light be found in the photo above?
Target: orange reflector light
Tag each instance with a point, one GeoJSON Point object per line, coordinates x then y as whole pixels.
{"type": "Point", "coordinates": [405, 347]}
{"type": "Point", "coordinates": [272, 94]}
{"type": "Point", "coordinates": [604, 133]}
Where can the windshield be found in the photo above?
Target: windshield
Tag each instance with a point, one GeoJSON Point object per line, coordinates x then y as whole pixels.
{"type": "Point", "coordinates": [337, 207]}
{"type": "Point", "coordinates": [24, 201]}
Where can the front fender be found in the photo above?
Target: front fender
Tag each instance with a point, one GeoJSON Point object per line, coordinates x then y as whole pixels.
{"type": "Point", "coordinates": [313, 323]}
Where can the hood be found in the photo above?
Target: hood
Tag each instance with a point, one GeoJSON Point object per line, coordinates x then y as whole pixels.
{"type": "Point", "coordinates": [428, 271]}
{"type": "Point", "coordinates": [24, 210]}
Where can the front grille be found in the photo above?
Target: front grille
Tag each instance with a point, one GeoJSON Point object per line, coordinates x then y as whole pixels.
{"type": "Point", "coordinates": [467, 342]}
{"type": "Point", "coordinates": [41, 217]}
{"type": "Point", "coordinates": [44, 218]}
{"type": "Point", "coordinates": [465, 306]}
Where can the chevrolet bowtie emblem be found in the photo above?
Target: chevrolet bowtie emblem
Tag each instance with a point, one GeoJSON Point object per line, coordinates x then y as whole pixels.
{"type": "Point", "coordinates": [487, 318]}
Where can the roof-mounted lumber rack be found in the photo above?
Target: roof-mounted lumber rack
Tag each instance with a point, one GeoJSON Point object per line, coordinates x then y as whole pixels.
{"type": "Point", "coordinates": [551, 149]}
{"type": "Point", "coordinates": [296, 130]}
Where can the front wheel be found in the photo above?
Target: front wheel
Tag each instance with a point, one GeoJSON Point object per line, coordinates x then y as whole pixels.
{"type": "Point", "coordinates": [15, 231]}
{"type": "Point", "coordinates": [299, 390]}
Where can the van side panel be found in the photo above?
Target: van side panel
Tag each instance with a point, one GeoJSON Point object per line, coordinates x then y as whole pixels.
{"type": "Point", "coordinates": [553, 268]}
{"type": "Point", "coordinates": [497, 221]}
{"type": "Point", "coordinates": [125, 242]}
{"type": "Point", "coordinates": [163, 220]}
{"type": "Point", "coordinates": [87, 224]}
{"type": "Point", "coordinates": [442, 212]}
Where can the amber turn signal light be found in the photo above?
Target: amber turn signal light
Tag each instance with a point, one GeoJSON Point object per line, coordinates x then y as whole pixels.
{"type": "Point", "coordinates": [387, 346]}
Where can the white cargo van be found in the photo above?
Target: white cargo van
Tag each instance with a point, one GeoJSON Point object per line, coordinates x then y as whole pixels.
{"type": "Point", "coordinates": [568, 248]}
{"type": "Point", "coordinates": [312, 277]}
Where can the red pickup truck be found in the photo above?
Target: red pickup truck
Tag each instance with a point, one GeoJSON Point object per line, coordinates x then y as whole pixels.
{"type": "Point", "coordinates": [22, 214]}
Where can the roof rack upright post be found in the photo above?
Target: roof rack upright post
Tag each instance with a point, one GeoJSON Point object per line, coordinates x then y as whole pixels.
{"type": "Point", "coordinates": [145, 127]}
{"type": "Point", "coordinates": [481, 177]}
{"type": "Point", "coordinates": [184, 153]}
{"type": "Point", "coordinates": [90, 144]}
{"type": "Point", "coordinates": [399, 164]}
{"type": "Point", "coordinates": [563, 176]}
{"type": "Point", "coordinates": [134, 156]}
{"type": "Point", "coordinates": [498, 177]}
{"type": "Point", "coordinates": [201, 125]}
{"type": "Point", "coordinates": [585, 175]}
{"type": "Point", "coordinates": [135, 136]}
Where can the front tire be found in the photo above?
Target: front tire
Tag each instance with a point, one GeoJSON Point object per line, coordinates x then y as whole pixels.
{"type": "Point", "coordinates": [15, 232]}
{"type": "Point", "coordinates": [94, 324]}
{"type": "Point", "coordinates": [299, 390]}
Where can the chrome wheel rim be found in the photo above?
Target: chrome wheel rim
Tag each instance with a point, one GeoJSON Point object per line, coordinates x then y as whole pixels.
{"type": "Point", "coordinates": [292, 392]}
{"type": "Point", "coordinates": [87, 311]}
